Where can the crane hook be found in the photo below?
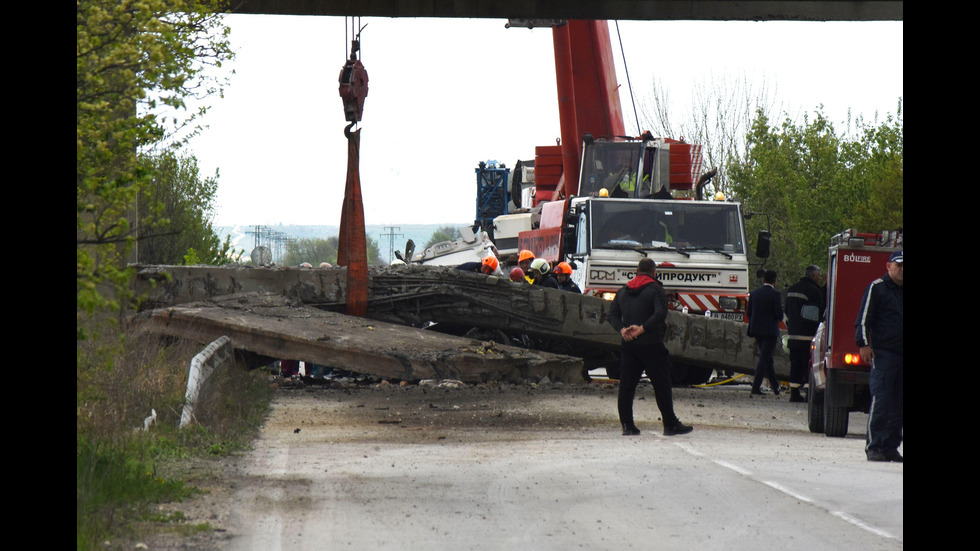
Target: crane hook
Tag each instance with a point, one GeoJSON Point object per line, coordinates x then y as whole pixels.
{"type": "Point", "coordinates": [353, 85]}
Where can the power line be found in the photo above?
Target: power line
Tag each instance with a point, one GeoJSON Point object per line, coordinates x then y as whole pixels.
{"type": "Point", "coordinates": [391, 235]}
{"type": "Point", "coordinates": [275, 240]}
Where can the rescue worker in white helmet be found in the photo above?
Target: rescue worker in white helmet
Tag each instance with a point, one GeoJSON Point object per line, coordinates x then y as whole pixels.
{"type": "Point", "coordinates": [541, 274]}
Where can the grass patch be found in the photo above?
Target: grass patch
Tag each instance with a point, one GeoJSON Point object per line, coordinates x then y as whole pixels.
{"type": "Point", "coordinates": [123, 472]}
{"type": "Point", "coordinates": [115, 483]}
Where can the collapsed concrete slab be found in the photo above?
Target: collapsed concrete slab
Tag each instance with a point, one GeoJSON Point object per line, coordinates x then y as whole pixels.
{"type": "Point", "coordinates": [272, 325]}
{"type": "Point", "coordinates": [418, 295]}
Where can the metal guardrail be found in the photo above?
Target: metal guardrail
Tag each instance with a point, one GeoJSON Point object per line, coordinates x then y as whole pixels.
{"type": "Point", "coordinates": [202, 365]}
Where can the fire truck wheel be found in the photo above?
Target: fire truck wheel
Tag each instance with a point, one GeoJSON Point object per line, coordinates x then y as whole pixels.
{"type": "Point", "coordinates": [834, 417]}
{"type": "Point", "coordinates": [814, 406]}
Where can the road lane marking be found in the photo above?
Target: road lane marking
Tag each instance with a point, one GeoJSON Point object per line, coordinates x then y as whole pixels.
{"type": "Point", "coordinates": [733, 467]}
{"type": "Point", "coordinates": [779, 487]}
{"type": "Point", "coordinates": [786, 491]}
{"type": "Point", "coordinates": [689, 449]}
{"type": "Point", "coordinates": [846, 517]}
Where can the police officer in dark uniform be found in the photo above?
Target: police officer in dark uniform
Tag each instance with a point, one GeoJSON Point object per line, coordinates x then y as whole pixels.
{"type": "Point", "coordinates": [805, 304]}
{"type": "Point", "coordinates": [639, 313]}
{"type": "Point", "coordinates": [563, 274]}
{"type": "Point", "coordinates": [880, 339]}
{"type": "Point", "coordinates": [765, 311]}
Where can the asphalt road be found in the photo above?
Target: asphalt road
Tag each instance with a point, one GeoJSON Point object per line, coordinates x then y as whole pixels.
{"type": "Point", "coordinates": [382, 470]}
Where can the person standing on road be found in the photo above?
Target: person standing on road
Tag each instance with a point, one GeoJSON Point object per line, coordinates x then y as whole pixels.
{"type": "Point", "coordinates": [639, 313]}
{"type": "Point", "coordinates": [765, 311]}
{"type": "Point", "coordinates": [880, 339]}
{"type": "Point", "coordinates": [804, 310]}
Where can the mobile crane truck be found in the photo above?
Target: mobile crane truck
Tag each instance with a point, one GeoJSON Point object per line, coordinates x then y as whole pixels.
{"type": "Point", "coordinates": [612, 222]}
{"type": "Point", "coordinates": [625, 209]}
{"type": "Point", "coordinates": [603, 200]}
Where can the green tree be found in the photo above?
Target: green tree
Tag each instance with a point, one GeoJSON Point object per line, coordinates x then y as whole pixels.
{"type": "Point", "coordinates": [318, 250]}
{"type": "Point", "coordinates": [313, 250]}
{"type": "Point", "coordinates": [175, 212]}
{"type": "Point", "coordinates": [445, 233]}
{"type": "Point", "coordinates": [374, 252]}
{"type": "Point", "coordinates": [133, 60]}
{"type": "Point", "coordinates": [879, 150]}
{"type": "Point", "coordinates": [812, 182]}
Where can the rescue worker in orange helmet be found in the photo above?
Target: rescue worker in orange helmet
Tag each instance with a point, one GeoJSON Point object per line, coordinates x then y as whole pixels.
{"type": "Point", "coordinates": [489, 264]}
{"type": "Point", "coordinates": [524, 259]}
{"type": "Point", "coordinates": [563, 273]}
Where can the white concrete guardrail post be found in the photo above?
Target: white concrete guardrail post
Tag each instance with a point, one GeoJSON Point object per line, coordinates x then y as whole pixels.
{"type": "Point", "coordinates": [201, 367]}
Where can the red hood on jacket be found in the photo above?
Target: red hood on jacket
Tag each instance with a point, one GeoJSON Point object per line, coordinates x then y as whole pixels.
{"type": "Point", "coordinates": [639, 281]}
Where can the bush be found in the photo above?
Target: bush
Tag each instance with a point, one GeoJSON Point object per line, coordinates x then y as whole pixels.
{"type": "Point", "coordinates": [120, 379]}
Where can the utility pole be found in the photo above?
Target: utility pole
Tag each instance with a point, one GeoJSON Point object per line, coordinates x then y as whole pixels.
{"type": "Point", "coordinates": [391, 235]}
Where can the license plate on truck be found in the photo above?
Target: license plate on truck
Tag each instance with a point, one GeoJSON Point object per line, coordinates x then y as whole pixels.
{"type": "Point", "coordinates": [730, 316]}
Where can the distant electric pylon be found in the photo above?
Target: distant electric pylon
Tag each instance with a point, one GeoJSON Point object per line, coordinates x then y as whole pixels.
{"type": "Point", "coordinates": [391, 235]}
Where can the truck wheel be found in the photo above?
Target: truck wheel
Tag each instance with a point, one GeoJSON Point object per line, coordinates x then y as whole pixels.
{"type": "Point", "coordinates": [814, 407]}
{"type": "Point", "coordinates": [835, 417]}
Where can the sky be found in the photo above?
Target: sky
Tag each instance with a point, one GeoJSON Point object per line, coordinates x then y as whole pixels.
{"type": "Point", "coordinates": [445, 94]}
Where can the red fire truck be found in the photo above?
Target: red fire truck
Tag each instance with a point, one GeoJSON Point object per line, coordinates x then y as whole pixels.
{"type": "Point", "coordinates": [838, 376]}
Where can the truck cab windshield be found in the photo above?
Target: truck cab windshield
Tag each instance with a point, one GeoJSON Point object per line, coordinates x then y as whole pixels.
{"type": "Point", "coordinates": [670, 224]}
{"type": "Point", "coordinates": [612, 166]}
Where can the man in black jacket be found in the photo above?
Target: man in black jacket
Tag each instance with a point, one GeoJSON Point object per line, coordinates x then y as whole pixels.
{"type": "Point", "coordinates": [804, 310]}
{"type": "Point", "coordinates": [639, 313]}
{"type": "Point", "coordinates": [765, 311]}
{"type": "Point", "coordinates": [880, 338]}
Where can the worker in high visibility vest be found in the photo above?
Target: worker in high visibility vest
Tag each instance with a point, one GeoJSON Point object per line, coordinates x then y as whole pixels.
{"type": "Point", "coordinates": [524, 259]}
